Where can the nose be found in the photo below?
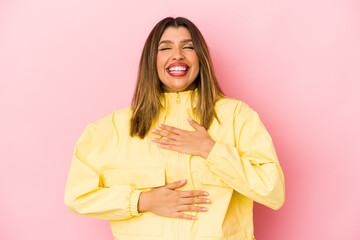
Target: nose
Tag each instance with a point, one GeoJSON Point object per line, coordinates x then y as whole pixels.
{"type": "Point", "coordinates": [177, 54]}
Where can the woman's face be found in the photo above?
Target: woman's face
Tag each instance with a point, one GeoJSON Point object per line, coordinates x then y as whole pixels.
{"type": "Point", "coordinates": [177, 62]}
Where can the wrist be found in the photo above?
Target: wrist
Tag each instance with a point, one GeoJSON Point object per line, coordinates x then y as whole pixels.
{"type": "Point", "coordinates": [143, 202]}
{"type": "Point", "coordinates": [207, 148]}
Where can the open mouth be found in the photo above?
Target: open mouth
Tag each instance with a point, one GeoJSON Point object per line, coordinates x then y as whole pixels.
{"type": "Point", "coordinates": [177, 69]}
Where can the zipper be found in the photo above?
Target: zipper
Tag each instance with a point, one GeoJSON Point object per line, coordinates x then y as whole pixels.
{"type": "Point", "coordinates": [179, 160]}
{"type": "Point", "coordinates": [177, 97]}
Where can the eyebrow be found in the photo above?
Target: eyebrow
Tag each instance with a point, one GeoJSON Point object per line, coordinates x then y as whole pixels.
{"type": "Point", "coordinates": [169, 41]}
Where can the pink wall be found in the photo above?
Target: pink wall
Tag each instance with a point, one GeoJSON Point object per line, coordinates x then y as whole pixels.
{"type": "Point", "coordinates": [64, 64]}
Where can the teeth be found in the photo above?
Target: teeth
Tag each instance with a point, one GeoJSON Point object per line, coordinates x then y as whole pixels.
{"type": "Point", "coordinates": [178, 68]}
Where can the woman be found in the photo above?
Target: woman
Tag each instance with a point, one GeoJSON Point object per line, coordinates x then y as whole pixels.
{"type": "Point", "coordinates": [183, 161]}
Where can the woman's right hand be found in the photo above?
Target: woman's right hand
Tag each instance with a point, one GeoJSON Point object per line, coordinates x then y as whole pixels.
{"type": "Point", "coordinates": [168, 202]}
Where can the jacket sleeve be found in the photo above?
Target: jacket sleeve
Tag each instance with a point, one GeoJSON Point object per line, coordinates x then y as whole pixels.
{"type": "Point", "coordinates": [251, 167]}
{"type": "Point", "coordinates": [84, 191]}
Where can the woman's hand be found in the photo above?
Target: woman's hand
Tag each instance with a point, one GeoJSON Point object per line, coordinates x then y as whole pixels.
{"type": "Point", "coordinates": [192, 142]}
{"type": "Point", "coordinates": [168, 202]}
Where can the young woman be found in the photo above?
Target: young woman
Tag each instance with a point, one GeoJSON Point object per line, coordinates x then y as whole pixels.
{"type": "Point", "coordinates": [183, 161]}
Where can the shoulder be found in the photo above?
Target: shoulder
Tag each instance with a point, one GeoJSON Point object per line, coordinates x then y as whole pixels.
{"type": "Point", "coordinates": [231, 106]}
{"type": "Point", "coordinates": [109, 124]}
{"type": "Point", "coordinates": [110, 119]}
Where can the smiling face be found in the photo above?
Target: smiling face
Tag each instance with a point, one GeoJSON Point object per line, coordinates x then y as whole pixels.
{"type": "Point", "coordinates": [177, 62]}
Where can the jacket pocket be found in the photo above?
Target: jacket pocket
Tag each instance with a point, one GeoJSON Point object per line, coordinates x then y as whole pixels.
{"type": "Point", "coordinates": [211, 222]}
{"type": "Point", "coordinates": [148, 223]}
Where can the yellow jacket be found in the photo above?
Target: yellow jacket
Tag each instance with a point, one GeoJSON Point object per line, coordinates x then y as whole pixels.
{"type": "Point", "coordinates": [110, 169]}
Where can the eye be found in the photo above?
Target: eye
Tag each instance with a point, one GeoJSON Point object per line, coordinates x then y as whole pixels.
{"type": "Point", "coordinates": [162, 49]}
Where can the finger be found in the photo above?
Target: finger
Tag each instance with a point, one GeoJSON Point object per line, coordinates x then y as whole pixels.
{"type": "Point", "coordinates": [172, 147]}
{"type": "Point", "coordinates": [194, 200]}
{"type": "Point", "coordinates": [195, 124]}
{"type": "Point", "coordinates": [191, 208]}
{"type": "Point", "coordinates": [171, 129]}
{"type": "Point", "coordinates": [164, 141]}
{"type": "Point", "coordinates": [165, 134]}
{"type": "Point", "coordinates": [193, 193]}
{"type": "Point", "coordinates": [185, 216]}
{"type": "Point", "coordinates": [176, 184]}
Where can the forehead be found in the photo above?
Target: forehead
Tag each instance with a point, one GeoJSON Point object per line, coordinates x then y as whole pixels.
{"type": "Point", "coordinates": [175, 34]}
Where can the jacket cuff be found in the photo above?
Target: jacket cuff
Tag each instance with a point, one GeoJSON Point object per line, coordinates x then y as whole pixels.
{"type": "Point", "coordinates": [134, 199]}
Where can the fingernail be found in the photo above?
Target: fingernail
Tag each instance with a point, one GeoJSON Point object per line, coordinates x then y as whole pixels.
{"type": "Point", "coordinates": [190, 118]}
{"type": "Point", "coordinates": [207, 200]}
{"type": "Point", "coordinates": [183, 181]}
{"type": "Point", "coordinates": [193, 217]}
{"type": "Point", "coordinates": [204, 209]}
{"type": "Point", "coordinates": [153, 130]}
{"type": "Point", "coordinates": [206, 193]}
{"type": "Point", "coordinates": [160, 125]}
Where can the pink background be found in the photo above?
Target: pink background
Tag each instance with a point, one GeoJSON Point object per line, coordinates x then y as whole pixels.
{"type": "Point", "coordinates": [64, 64]}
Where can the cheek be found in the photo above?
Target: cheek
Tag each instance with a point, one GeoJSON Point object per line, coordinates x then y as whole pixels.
{"type": "Point", "coordinates": [160, 60]}
{"type": "Point", "coordinates": [196, 63]}
{"type": "Point", "coordinates": [194, 59]}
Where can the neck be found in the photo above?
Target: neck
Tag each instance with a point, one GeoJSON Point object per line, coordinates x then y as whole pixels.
{"type": "Point", "coordinates": [168, 90]}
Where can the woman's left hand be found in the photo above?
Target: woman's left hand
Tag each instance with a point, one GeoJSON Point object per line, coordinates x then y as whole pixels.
{"type": "Point", "coordinates": [191, 142]}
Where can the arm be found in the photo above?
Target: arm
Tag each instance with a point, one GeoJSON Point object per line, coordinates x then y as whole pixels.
{"type": "Point", "coordinates": [251, 166]}
{"type": "Point", "coordinates": [84, 191]}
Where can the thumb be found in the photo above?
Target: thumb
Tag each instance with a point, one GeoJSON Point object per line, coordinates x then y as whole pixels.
{"type": "Point", "coordinates": [176, 184]}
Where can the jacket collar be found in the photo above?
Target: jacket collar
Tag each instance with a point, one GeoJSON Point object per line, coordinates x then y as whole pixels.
{"type": "Point", "coordinates": [184, 97]}
{"type": "Point", "coordinates": [170, 99]}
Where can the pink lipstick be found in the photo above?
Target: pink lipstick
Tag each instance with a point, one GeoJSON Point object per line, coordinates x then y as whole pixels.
{"type": "Point", "coordinates": [177, 69]}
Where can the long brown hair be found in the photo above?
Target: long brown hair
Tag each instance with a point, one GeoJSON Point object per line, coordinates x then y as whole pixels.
{"type": "Point", "coordinates": [146, 103]}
